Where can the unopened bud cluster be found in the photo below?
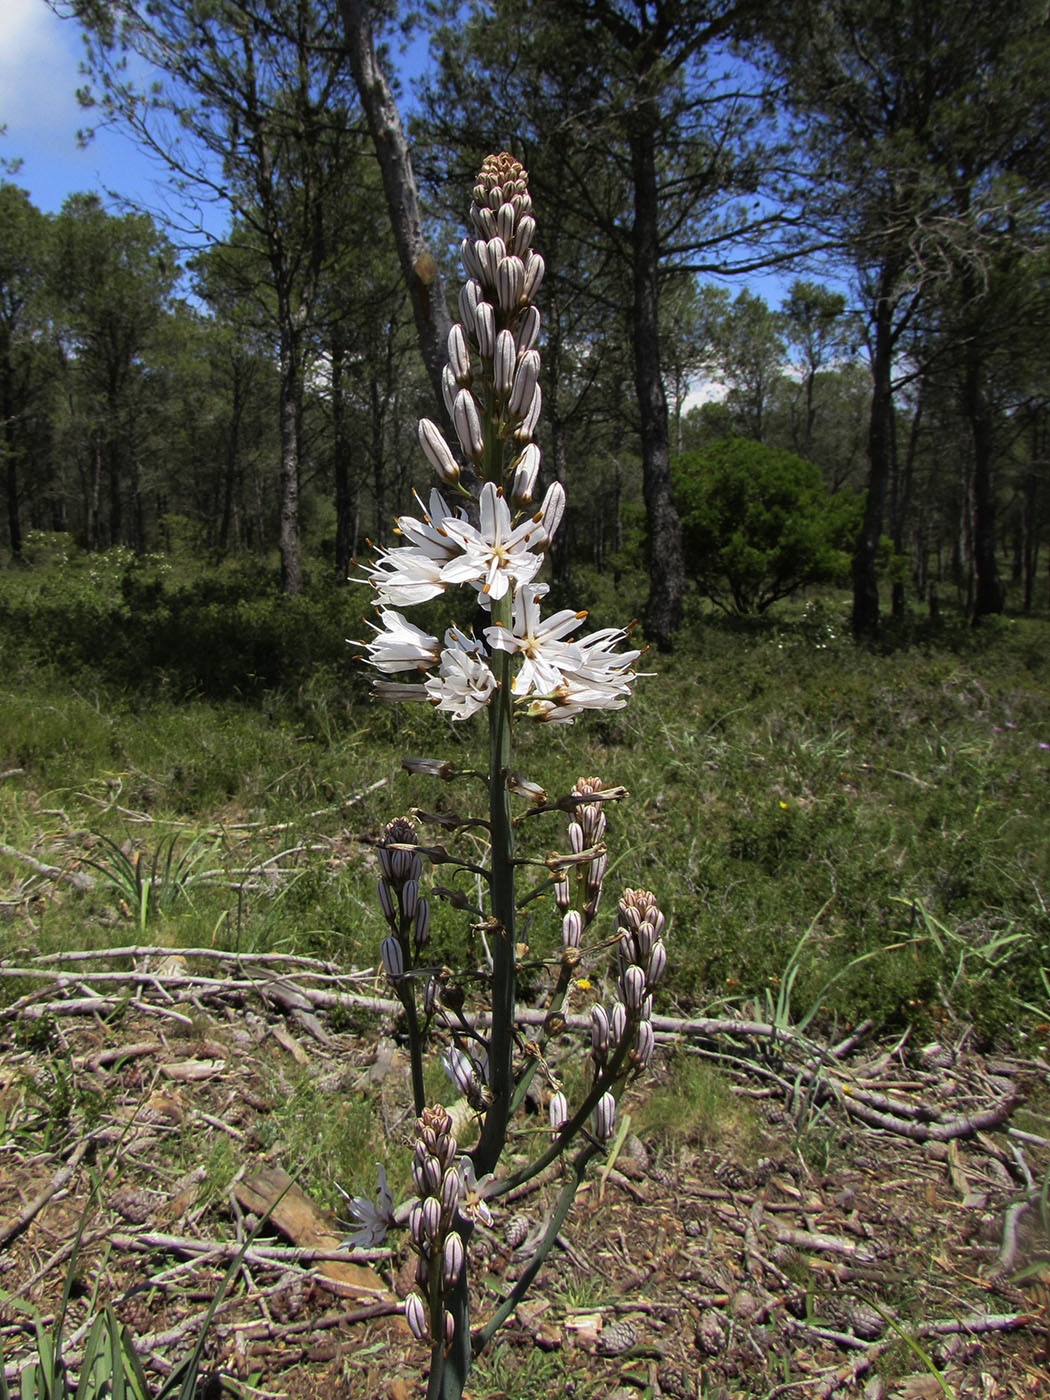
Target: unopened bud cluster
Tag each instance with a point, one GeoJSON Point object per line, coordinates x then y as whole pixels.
{"type": "Point", "coordinates": [586, 833]}
{"type": "Point", "coordinates": [404, 908]}
{"type": "Point", "coordinates": [438, 1180]}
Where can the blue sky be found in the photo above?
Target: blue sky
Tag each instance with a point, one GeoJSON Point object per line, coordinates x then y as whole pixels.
{"type": "Point", "coordinates": [39, 60]}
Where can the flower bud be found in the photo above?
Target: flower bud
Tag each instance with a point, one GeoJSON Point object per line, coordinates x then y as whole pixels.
{"type": "Point", "coordinates": [526, 429]}
{"type": "Point", "coordinates": [430, 991]}
{"type": "Point", "coordinates": [505, 221]}
{"type": "Point", "coordinates": [421, 932]}
{"type": "Point", "coordinates": [526, 470]}
{"type": "Point", "coordinates": [534, 270]}
{"type": "Point", "coordinates": [562, 893]}
{"type": "Point", "coordinates": [552, 510]}
{"type": "Point", "coordinates": [449, 1326]}
{"type": "Point", "coordinates": [596, 872]}
{"type": "Point", "coordinates": [459, 1069]}
{"type": "Point", "coordinates": [426, 1174]}
{"type": "Point", "coordinates": [467, 422]}
{"type": "Point", "coordinates": [503, 363]}
{"type": "Point", "coordinates": [430, 1221]}
{"type": "Point", "coordinates": [604, 1117]}
{"type": "Point", "coordinates": [409, 897]}
{"type": "Point", "coordinates": [558, 1110]}
{"type": "Point", "coordinates": [575, 838]}
{"type": "Point", "coordinates": [657, 964]}
{"type": "Point", "coordinates": [415, 1226]}
{"type": "Point", "coordinates": [523, 235]}
{"type": "Point", "coordinates": [451, 1260]}
{"type": "Point", "coordinates": [469, 295]}
{"type": "Point", "coordinates": [451, 1192]}
{"type": "Point", "coordinates": [618, 1022]}
{"type": "Point", "coordinates": [510, 279]}
{"type": "Point", "coordinates": [459, 355]}
{"type": "Point", "coordinates": [471, 264]}
{"type": "Point", "coordinates": [415, 1316]}
{"type": "Point", "coordinates": [645, 1011]}
{"type": "Point", "coordinates": [437, 452]}
{"type": "Point", "coordinates": [524, 787]}
{"type": "Point", "coordinates": [632, 983]}
{"type": "Point", "coordinates": [529, 330]}
{"type": "Point", "coordinates": [525, 381]}
{"type": "Point", "coordinates": [449, 389]}
{"type": "Point", "coordinates": [486, 223]}
{"type": "Point", "coordinates": [572, 929]}
{"type": "Point", "coordinates": [393, 956]}
{"type": "Point", "coordinates": [599, 1031]}
{"type": "Point", "coordinates": [386, 902]}
{"type": "Point", "coordinates": [642, 944]}
{"type": "Point", "coordinates": [644, 1042]}
{"type": "Point", "coordinates": [485, 329]}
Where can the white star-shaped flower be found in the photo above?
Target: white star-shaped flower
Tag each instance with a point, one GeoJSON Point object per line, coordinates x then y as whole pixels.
{"type": "Point", "coordinates": [541, 643]}
{"type": "Point", "coordinates": [399, 645]}
{"type": "Point", "coordinates": [497, 552]}
{"type": "Point", "coordinates": [464, 683]}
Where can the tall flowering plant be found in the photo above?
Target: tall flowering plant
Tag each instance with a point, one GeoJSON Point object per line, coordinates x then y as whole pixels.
{"type": "Point", "coordinates": [482, 532]}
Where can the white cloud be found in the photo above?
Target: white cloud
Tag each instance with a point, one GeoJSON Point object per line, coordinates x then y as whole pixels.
{"type": "Point", "coordinates": [39, 58]}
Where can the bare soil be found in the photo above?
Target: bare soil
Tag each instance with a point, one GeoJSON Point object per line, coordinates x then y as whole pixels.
{"type": "Point", "coordinates": [836, 1257]}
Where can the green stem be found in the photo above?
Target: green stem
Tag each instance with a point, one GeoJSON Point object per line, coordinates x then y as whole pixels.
{"type": "Point", "coordinates": [556, 1003]}
{"type": "Point", "coordinates": [561, 1209]}
{"type": "Point", "coordinates": [504, 976]}
{"type": "Point", "coordinates": [415, 1050]}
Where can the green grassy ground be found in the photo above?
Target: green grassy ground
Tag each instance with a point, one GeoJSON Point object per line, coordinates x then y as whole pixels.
{"type": "Point", "coordinates": [867, 831]}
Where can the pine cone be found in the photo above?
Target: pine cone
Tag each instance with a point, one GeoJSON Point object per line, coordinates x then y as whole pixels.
{"type": "Point", "coordinates": [617, 1338]}
{"type": "Point", "coordinates": [516, 1231]}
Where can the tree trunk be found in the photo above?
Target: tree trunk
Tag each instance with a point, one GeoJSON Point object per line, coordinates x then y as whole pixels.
{"type": "Point", "coordinates": [420, 270]}
{"type": "Point", "coordinates": [14, 520]}
{"type": "Point", "coordinates": [291, 569]}
{"type": "Point", "coordinates": [341, 462]}
{"type": "Point", "coordinates": [880, 456]}
{"type": "Point", "coordinates": [990, 595]}
{"type": "Point", "coordinates": [663, 609]}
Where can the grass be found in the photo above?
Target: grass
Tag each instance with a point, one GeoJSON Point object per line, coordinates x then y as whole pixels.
{"type": "Point", "coordinates": [781, 778]}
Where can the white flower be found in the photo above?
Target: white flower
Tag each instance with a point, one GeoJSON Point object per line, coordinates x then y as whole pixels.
{"type": "Point", "coordinates": [495, 553]}
{"type": "Point", "coordinates": [374, 1220]}
{"type": "Point", "coordinates": [464, 682]}
{"type": "Point", "coordinates": [412, 573]}
{"type": "Point", "coordinates": [399, 645]}
{"type": "Point", "coordinates": [547, 655]}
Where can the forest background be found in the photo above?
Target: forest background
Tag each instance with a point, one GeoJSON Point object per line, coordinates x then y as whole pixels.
{"type": "Point", "coordinates": [196, 447]}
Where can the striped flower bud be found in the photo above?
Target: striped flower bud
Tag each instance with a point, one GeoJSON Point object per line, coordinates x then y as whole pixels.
{"type": "Point", "coordinates": [430, 1223]}
{"type": "Point", "coordinates": [459, 1069]}
{"type": "Point", "coordinates": [449, 1327]}
{"type": "Point", "coordinates": [415, 1316]}
{"type": "Point", "coordinates": [451, 1260]}
{"type": "Point", "coordinates": [386, 902]}
{"type": "Point", "coordinates": [534, 270]}
{"type": "Point", "coordinates": [552, 510]}
{"type": "Point", "coordinates": [510, 279]}
{"type": "Point", "coordinates": [529, 330]}
{"type": "Point", "coordinates": [505, 221]}
{"type": "Point", "coordinates": [600, 1031]}
{"type": "Point", "coordinates": [604, 1117]}
{"type": "Point", "coordinates": [526, 377]}
{"type": "Point", "coordinates": [575, 838]}
{"type": "Point", "coordinates": [618, 1022]}
{"type": "Point", "coordinates": [469, 295]}
{"type": "Point", "coordinates": [393, 956]}
{"type": "Point", "coordinates": [459, 355]}
{"type": "Point", "coordinates": [526, 429]}
{"type": "Point", "coordinates": [486, 223]}
{"type": "Point", "coordinates": [596, 872]}
{"type": "Point", "coordinates": [415, 1226]}
{"type": "Point", "coordinates": [485, 329]}
{"type": "Point", "coordinates": [572, 929]}
{"type": "Point", "coordinates": [526, 470]}
{"type": "Point", "coordinates": [426, 1174]}
{"type": "Point", "coordinates": [437, 451]}
{"type": "Point", "coordinates": [644, 1043]}
{"type": "Point", "coordinates": [632, 984]}
{"type": "Point", "coordinates": [409, 898]}
{"type": "Point", "coordinates": [449, 389]}
{"type": "Point", "coordinates": [523, 235]}
{"type": "Point", "coordinates": [451, 1192]}
{"type": "Point", "coordinates": [642, 942]}
{"type": "Point", "coordinates": [495, 252]}
{"type": "Point", "coordinates": [522, 201]}
{"type": "Point", "coordinates": [467, 422]}
{"type": "Point", "coordinates": [430, 991]}
{"type": "Point", "coordinates": [421, 931]}
{"type": "Point", "coordinates": [503, 363]}
{"type": "Point", "coordinates": [645, 1011]}
{"type": "Point", "coordinates": [657, 964]}
{"type": "Point", "coordinates": [562, 893]}
{"type": "Point", "coordinates": [558, 1111]}
{"type": "Point", "coordinates": [471, 263]}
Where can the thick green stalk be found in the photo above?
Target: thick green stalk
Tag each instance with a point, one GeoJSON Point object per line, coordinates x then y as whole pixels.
{"type": "Point", "coordinates": [504, 979]}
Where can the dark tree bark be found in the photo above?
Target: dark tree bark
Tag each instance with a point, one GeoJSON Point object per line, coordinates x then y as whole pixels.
{"type": "Point", "coordinates": [880, 459]}
{"type": "Point", "coordinates": [663, 609]}
{"type": "Point", "coordinates": [344, 512]}
{"type": "Point", "coordinates": [420, 270]}
{"type": "Point", "coordinates": [989, 596]}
